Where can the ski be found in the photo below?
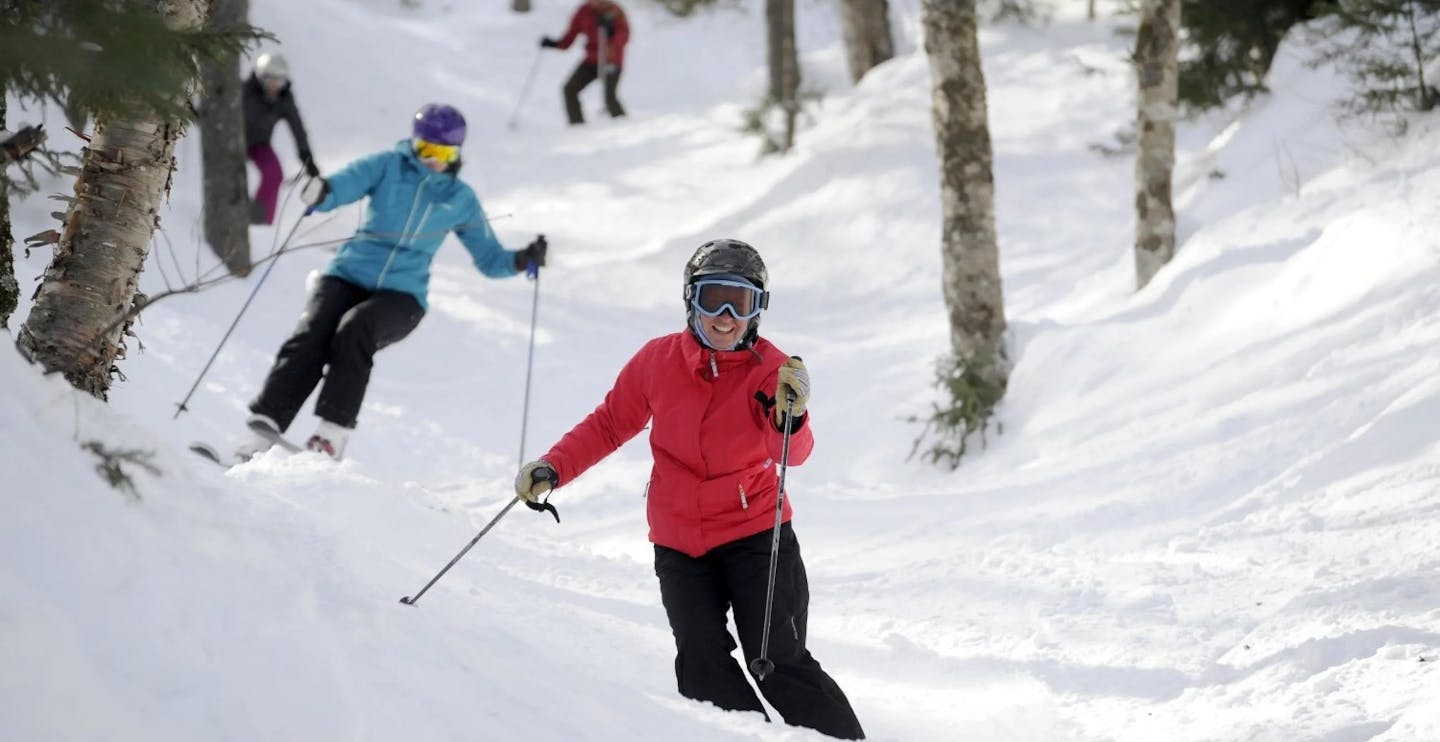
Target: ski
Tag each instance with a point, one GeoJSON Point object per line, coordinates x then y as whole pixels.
{"type": "Point", "coordinates": [208, 452]}
{"type": "Point", "coordinates": [274, 436]}
{"type": "Point", "coordinates": [212, 454]}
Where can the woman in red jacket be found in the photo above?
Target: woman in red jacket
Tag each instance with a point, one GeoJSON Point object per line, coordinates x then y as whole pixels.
{"type": "Point", "coordinates": [606, 33]}
{"type": "Point", "coordinates": [710, 392]}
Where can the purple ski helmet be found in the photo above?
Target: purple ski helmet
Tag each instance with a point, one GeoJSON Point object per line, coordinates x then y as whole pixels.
{"type": "Point", "coordinates": [439, 123]}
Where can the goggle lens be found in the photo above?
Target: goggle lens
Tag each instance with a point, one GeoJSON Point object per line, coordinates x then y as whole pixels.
{"type": "Point", "coordinates": [442, 153]}
{"type": "Point", "coordinates": [711, 297]}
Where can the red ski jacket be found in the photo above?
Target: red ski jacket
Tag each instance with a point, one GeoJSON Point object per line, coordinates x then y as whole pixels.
{"type": "Point", "coordinates": [587, 21]}
{"type": "Point", "coordinates": [714, 442]}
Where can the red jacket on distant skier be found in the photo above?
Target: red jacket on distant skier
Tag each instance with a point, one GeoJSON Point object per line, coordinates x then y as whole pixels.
{"type": "Point", "coordinates": [714, 444]}
{"type": "Point", "coordinates": [588, 20]}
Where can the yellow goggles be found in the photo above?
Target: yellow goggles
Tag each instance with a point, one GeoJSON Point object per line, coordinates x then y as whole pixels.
{"type": "Point", "coordinates": [442, 153]}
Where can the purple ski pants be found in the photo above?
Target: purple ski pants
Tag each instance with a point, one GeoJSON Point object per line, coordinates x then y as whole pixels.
{"type": "Point", "coordinates": [268, 192]}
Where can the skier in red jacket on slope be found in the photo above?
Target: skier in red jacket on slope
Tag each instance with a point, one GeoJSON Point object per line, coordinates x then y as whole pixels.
{"type": "Point", "coordinates": [715, 395]}
{"type": "Point", "coordinates": [606, 33]}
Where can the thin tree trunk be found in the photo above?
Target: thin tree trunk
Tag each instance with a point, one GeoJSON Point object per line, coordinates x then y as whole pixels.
{"type": "Point", "coordinates": [784, 65]}
{"type": "Point", "coordinates": [9, 289]}
{"type": "Point", "coordinates": [92, 278]}
{"type": "Point", "coordinates": [1426, 99]}
{"type": "Point", "coordinates": [970, 256]}
{"type": "Point", "coordinates": [222, 146]}
{"type": "Point", "coordinates": [1090, 10]}
{"type": "Point", "coordinates": [1156, 66]}
{"type": "Point", "coordinates": [520, 6]}
{"type": "Point", "coordinates": [866, 25]}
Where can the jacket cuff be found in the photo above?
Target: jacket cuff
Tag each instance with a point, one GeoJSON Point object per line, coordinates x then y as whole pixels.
{"type": "Point", "coordinates": [796, 423]}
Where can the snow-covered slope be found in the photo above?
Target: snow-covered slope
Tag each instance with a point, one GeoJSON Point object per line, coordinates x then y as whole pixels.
{"type": "Point", "coordinates": [1209, 514]}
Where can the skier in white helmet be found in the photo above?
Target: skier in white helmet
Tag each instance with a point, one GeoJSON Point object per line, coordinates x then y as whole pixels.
{"type": "Point", "coordinates": [267, 98]}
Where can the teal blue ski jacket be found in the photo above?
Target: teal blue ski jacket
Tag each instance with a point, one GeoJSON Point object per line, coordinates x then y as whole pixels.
{"type": "Point", "coordinates": [411, 211]}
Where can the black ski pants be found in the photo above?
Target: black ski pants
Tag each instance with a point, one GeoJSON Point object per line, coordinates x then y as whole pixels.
{"type": "Point", "coordinates": [342, 328]}
{"type": "Point", "coordinates": [697, 592]}
{"type": "Point", "coordinates": [584, 75]}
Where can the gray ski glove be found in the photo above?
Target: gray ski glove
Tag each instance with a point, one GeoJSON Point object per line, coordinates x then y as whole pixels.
{"type": "Point", "coordinates": [535, 479]}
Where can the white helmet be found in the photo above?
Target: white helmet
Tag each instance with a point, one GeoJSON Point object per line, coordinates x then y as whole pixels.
{"type": "Point", "coordinates": [272, 66]}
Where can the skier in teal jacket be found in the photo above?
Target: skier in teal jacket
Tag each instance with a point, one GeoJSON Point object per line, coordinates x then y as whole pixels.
{"type": "Point", "coordinates": [412, 210]}
{"type": "Point", "coordinates": [373, 294]}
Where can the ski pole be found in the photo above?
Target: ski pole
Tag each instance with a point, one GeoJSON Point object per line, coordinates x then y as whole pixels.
{"type": "Point", "coordinates": [533, 271]}
{"type": "Point", "coordinates": [525, 90]}
{"type": "Point", "coordinates": [762, 665]}
{"type": "Point", "coordinates": [411, 600]}
{"type": "Point", "coordinates": [181, 407]}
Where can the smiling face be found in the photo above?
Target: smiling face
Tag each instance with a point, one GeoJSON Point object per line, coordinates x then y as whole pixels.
{"type": "Point", "coordinates": [723, 331]}
{"type": "Point", "coordinates": [723, 308]}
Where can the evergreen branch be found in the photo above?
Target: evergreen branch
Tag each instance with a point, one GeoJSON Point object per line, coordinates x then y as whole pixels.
{"type": "Point", "coordinates": [108, 57]}
{"type": "Point", "coordinates": [20, 144]}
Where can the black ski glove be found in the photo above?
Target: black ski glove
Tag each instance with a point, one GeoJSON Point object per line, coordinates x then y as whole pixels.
{"type": "Point", "coordinates": [548, 43]}
{"type": "Point", "coordinates": [532, 257]}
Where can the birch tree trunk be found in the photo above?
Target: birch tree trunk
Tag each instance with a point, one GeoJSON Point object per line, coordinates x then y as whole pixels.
{"type": "Point", "coordinates": [9, 289]}
{"type": "Point", "coordinates": [222, 147]}
{"type": "Point", "coordinates": [1157, 72]}
{"type": "Point", "coordinates": [90, 284]}
{"type": "Point", "coordinates": [970, 258]}
{"type": "Point", "coordinates": [784, 66]}
{"type": "Point", "coordinates": [866, 25]}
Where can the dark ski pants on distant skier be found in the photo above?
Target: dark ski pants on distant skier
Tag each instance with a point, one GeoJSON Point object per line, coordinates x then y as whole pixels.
{"type": "Point", "coordinates": [584, 75]}
{"type": "Point", "coordinates": [698, 591]}
{"type": "Point", "coordinates": [343, 327]}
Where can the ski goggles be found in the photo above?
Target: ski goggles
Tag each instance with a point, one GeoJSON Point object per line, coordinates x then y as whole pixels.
{"type": "Point", "coordinates": [441, 153]}
{"type": "Point", "coordinates": [711, 296]}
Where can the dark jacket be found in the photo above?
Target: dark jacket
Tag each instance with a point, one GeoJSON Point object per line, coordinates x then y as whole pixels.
{"type": "Point", "coordinates": [263, 112]}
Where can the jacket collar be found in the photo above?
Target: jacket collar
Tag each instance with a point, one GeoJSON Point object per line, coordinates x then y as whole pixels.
{"type": "Point", "coordinates": [259, 87]}
{"type": "Point", "coordinates": [698, 357]}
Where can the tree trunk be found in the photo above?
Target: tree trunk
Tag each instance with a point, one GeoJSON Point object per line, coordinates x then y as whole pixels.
{"type": "Point", "coordinates": [1090, 10]}
{"type": "Point", "coordinates": [520, 6]}
{"type": "Point", "coordinates": [74, 327]}
{"type": "Point", "coordinates": [868, 41]}
{"type": "Point", "coordinates": [1156, 66]}
{"type": "Point", "coordinates": [970, 258]}
{"type": "Point", "coordinates": [784, 65]}
{"type": "Point", "coordinates": [9, 289]}
{"type": "Point", "coordinates": [222, 146]}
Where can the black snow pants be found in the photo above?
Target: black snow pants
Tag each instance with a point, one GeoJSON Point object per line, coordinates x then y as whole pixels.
{"type": "Point", "coordinates": [342, 328]}
{"type": "Point", "coordinates": [584, 75]}
{"type": "Point", "coordinates": [698, 591]}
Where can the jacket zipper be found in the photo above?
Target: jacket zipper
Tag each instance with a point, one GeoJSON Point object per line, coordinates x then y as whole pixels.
{"type": "Point", "coordinates": [419, 190]}
{"type": "Point", "coordinates": [714, 370]}
{"type": "Point", "coordinates": [744, 503]}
